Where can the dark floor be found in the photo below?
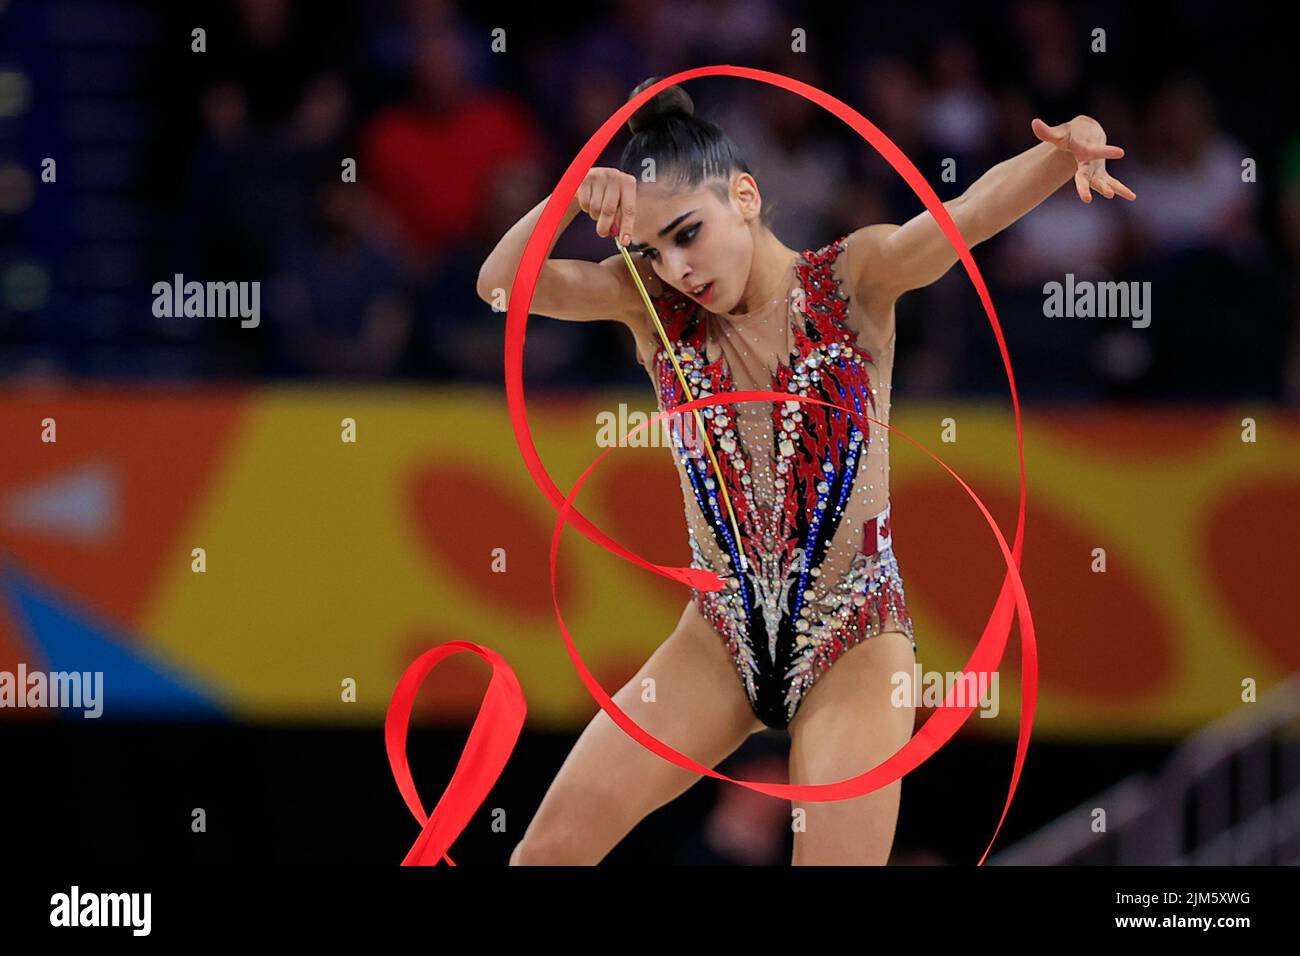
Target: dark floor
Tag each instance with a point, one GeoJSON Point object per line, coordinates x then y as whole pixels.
{"type": "Point", "coordinates": [117, 794]}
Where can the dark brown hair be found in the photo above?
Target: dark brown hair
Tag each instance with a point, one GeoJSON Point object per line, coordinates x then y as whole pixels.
{"type": "Point", "coordinates": [686, 149]}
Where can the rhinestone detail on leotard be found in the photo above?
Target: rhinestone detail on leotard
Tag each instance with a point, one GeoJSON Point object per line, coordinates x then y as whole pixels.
{"type": "Point", "coordinates": [783, 626]}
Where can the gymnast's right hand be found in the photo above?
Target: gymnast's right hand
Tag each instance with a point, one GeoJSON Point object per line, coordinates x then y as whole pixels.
{"type": "Point", "coordinates": [609, 197]}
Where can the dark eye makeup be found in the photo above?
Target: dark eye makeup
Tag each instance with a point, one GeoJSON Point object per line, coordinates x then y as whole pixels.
{"type": "Point", "coordinates": [684, 237]}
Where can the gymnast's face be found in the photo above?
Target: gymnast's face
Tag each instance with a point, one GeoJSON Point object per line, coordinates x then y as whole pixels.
{"type": "Point", "coordinates": [696, 237]}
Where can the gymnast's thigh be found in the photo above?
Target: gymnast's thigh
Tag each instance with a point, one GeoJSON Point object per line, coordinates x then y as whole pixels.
{"type": "Point", "coordinates": [687, 694]}
{"type": "Point", "coordinates": [847, 724]}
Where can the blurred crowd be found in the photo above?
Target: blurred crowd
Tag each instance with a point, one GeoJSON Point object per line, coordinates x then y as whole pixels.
{"type": "Point", "coordinates": [454, 140]}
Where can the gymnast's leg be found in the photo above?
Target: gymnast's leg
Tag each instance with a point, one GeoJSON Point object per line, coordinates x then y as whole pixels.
{"type": "Point", "coordinates": [609, 782]}
{"type": "Point", "coordinates": [846, 725]}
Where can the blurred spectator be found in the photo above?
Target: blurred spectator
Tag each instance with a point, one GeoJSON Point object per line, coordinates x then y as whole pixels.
{"type": "Point", "coordinates": [894, 98]}
{"type": "Point", "coordinates": [464, 340]}
{"type": "Point", "coordinates": [431, 159]}
{"type": "Point", "coordinates": [1289, 226]}
{"type": "Point", "coordinates": [338, 307]}
{"type": "Point", "coordinates": [722, 31]}
{"type": "Point", "coordinates": [447, 161]}
{"type": "Point", "coordinates": [392, 44]}
{"type": "Point", "coordinates": [958, 119]}
{"type": "Point", "coordinates": [578, 81]}
{"type": "Point", "coordinates": [266, 74]}
{"type": "Point", "coordinates": [798, 165]}
{"type": "Point", "coordinates": [1063, 234]}
{"type": "Point", "coordinates": [1188, 173]}
{"type": "Point", "coordinates": [274, 109]}
{"type": "Point", "coordinates": [746, 828]}
{"type": "Point", "coordinates": [1052, 46]}
{"type": "Point", "coordinates": [1197, 244]}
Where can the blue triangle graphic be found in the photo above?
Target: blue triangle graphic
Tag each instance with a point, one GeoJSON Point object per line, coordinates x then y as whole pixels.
{"type": "Point", "coordinates": [135, 685]}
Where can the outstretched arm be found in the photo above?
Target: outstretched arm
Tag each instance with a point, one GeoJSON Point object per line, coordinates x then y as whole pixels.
{"type": "Point", "coordinates": [894, 259]}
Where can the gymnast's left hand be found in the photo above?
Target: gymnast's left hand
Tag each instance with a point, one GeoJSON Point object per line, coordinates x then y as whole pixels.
{"type": "Point", "coordinates": [1084, 138]}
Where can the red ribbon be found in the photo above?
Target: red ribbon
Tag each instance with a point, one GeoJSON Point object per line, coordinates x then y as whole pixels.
{"type": "Point", "coordinates": [491, 740]}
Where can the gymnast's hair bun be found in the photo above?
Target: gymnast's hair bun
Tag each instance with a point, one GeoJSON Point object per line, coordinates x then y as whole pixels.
{"type": "Point", "coordinates": [664, 103]}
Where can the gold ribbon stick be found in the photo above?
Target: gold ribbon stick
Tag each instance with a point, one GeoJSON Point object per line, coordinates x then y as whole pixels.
{"type": "Point", "coordinates": [690, 397]}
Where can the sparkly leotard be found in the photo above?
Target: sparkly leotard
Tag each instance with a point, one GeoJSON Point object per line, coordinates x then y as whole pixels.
{"type": "Point", "coordinates": [809, 487]}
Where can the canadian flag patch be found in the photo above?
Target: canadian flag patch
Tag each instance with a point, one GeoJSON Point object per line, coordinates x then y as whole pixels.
{"type": "Point", "coordinates": [879, 527]}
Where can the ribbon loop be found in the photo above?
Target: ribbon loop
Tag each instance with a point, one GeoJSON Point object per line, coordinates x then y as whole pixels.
{"type": "Point", "coordinates": [491, 741]}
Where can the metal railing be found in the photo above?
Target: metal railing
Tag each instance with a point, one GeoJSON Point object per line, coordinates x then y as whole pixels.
{"type": "Point", "coordinates": [1230, 795]}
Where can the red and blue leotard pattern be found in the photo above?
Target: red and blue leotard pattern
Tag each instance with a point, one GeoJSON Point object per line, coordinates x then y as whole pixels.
{"type": "Point", "coordinates": [793, 610]}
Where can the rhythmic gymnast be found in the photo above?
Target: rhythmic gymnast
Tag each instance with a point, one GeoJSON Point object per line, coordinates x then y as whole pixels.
{"type": "Point", "coordinates": [789, 504]}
